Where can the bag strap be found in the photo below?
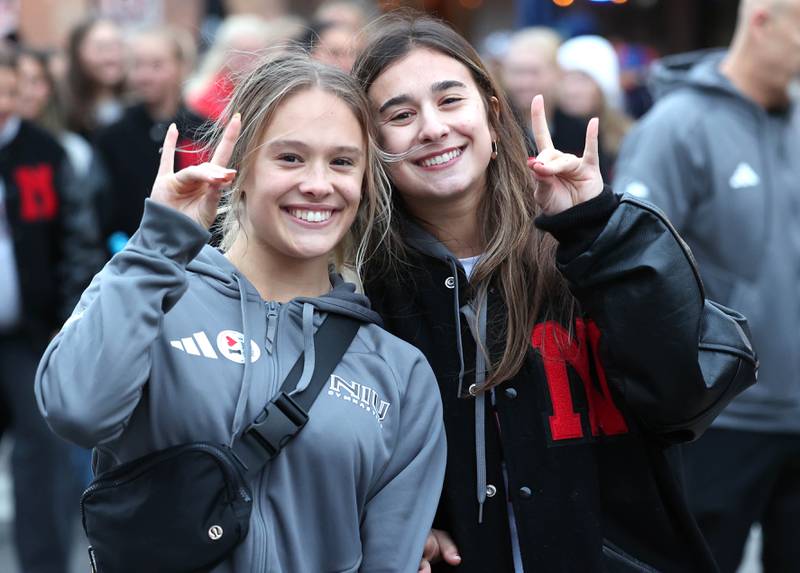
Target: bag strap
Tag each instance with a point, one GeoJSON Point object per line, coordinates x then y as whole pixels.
{"type": "Point", "coordinates": [285, 415]}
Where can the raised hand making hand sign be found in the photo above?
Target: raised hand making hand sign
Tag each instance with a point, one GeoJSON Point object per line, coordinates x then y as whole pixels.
{"type": "Point", "coordinates": [564, 180]}
{"type": "Point", "coordinates": [194, 191]}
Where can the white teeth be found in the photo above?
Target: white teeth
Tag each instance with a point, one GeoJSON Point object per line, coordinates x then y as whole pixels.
{"type": "Point", "coordinates": [439, 159]}
{"type": "Point", "coordinates": [311, 216]}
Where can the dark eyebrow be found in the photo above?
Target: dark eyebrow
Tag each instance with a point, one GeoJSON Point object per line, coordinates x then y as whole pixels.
{"type": "Point", "coordinates": [396, 100]}
{"type": "Point", "coordinates": [446, 85]}
{"type": "Point", "coordinates": [405, 98]}
{"type": "Point", "coordinates": [302, 146]}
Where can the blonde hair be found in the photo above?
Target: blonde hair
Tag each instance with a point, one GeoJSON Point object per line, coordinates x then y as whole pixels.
{"type": "Point", "coordinates": [518, 259]}
{"type": "Point", "coordinates": [257, 98]}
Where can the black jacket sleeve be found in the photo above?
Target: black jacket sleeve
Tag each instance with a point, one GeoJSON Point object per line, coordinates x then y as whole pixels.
{"type": "Point", "coordinates": [79, 240]}
{"type": "Point", "coordinates": [676, 358]}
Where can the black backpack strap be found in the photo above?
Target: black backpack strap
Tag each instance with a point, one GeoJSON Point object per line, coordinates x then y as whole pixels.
{"type": "Point", "coordinates": [284, 416]}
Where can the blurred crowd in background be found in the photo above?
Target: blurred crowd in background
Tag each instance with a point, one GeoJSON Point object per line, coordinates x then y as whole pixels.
{"type": "Point", "coordinates": [109, 85]}
{"type": "Point", "coordinates": [102, 80]}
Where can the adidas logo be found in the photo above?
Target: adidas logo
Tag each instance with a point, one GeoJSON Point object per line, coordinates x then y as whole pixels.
{"type": "Point", "coordinates": [637, 189]}
{"type": "Point", "coordinates": [229, 344]}
{"type": "Point", "coordinates": [197, 345]}
{"type": "Point", "coordinates": [744, 176]}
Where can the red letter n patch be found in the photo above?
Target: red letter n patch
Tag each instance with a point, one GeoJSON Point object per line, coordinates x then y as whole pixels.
{"type": "Point", "coordinates": [558, 351]}
{"type": "Point", "coordinates": [37, 193]}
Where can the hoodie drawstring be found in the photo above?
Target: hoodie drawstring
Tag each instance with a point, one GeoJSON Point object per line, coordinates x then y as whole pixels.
{"type": "Point", "coordinates": [308, 348]}
{"type": "Point", "coordinates": [477, 326]}
{"type": "Point", "coordinates": [244, 390]}
{"type": "Point", "coordinates": [424, 242]}
{"type": "Point", "coordinates": [457, 313]}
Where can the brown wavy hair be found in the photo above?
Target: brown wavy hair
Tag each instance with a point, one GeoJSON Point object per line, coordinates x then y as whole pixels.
{"type": "Point", "coordinates": [518, 259]}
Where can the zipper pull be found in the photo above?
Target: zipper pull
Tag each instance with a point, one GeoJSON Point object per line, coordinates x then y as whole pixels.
{"type": "Point", "coordinates": [272, 325]}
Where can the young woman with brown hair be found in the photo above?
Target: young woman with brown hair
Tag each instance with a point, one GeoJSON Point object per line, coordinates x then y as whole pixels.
{"type": "Point", "coordinates": [95, 76]}
{"type": "Point", "coordinates": [569, 357]}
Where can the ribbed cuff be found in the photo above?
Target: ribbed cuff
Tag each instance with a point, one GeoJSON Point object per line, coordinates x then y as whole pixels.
{"type": "Point", "coordinates": [170, 232]}
{"type": "Point", "coordinates": [577, 228]}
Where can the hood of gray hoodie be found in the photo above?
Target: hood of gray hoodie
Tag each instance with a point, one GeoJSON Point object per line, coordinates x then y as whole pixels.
{"type": "Point", "coordinates": [215, 269]}
{"type": "Point", "coordinates": [697, 69]}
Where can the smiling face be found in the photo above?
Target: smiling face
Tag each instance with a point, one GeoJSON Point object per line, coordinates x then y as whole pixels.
{"type": "Point", "coordinates": [304, 185]}
{"type": "Point", "coordinates": [429, 99]}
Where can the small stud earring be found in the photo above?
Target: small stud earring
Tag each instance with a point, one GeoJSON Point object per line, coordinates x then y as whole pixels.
{"type": "Point", "coordinates": [494, 149]}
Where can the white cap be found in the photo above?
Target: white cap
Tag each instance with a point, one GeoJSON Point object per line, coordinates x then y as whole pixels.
{"type": "Point", "coordinates": [595, 57]}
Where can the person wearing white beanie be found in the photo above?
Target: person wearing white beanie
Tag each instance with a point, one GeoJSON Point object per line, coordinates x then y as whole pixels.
{"type": "Point", "coordinates": [590, 87]}
{"type": "Point", "coordinates": [595, 57]}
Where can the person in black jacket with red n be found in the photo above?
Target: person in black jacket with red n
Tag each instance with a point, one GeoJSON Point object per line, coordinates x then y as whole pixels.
{"type": "Point", "coordinates": [48, 253]}
{"type": "Point", "coordinates": [570, 357]}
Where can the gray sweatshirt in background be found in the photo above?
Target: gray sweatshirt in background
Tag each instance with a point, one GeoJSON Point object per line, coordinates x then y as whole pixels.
{"type": "Point", "coordinates": [727, 173]}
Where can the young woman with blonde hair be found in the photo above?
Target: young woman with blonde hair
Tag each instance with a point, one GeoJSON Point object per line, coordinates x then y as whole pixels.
{"type": "Point", "coordinates": [176, 342]}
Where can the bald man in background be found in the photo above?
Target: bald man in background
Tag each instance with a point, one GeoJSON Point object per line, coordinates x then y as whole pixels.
{"type": "Point", "coordinates": [720, 153]}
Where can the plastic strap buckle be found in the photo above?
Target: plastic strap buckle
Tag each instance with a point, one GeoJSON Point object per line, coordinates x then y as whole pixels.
{"type": "Point", "coordinates": [278, 423]}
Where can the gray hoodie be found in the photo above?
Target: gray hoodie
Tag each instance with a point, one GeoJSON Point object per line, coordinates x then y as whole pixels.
{"type": "Point", "coordinates": [153, 356]}
{"type": "Point", "coordinates": [727, 173]}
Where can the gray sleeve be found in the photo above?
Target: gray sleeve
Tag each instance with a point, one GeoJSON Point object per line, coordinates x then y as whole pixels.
{"type": "Point", "coordinates": [91, 376]}
{"type": "Point", "coordinates": [403, 502]}
{"type": "Point", "coordinates": [663, 161]}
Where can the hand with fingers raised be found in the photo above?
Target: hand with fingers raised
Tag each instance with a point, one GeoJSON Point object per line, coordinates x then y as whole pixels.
{"type": "Point", "coordinates": [195, 190]}
{"type": "Point", "coordinates": [563, 180]}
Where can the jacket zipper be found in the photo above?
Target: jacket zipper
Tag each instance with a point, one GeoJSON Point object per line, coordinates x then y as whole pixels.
{"type": "Point", "coordinates": [272, 326]}
{"type": "Point", "coordinates": [260, 542]}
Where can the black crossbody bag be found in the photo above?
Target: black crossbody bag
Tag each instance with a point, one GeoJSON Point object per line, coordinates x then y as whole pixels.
{"type": "Point", "coordinates": [186, 508]}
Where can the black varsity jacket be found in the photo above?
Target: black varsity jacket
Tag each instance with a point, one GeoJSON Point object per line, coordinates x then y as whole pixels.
{"type": "Point", "coordinates": [585, 429]}
{"type": "Point", "coordinates": [53, 228]}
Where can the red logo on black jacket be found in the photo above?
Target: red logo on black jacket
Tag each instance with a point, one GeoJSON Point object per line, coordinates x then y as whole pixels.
{"type": "Point", "coordinates": [558, 350]}
{"type": "Point", "coordinates": [37, 194]}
